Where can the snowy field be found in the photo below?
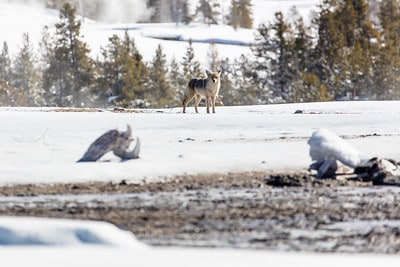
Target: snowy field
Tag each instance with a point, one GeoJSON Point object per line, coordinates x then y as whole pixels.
{"type": "Point", "coordinates": [39, 146]}
{"type": "Point", "coordinates": [42, 146]}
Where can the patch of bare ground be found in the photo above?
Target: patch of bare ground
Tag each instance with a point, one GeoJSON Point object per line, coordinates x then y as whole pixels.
{"type": "Point", "coordinates": [290, 211]}
{"type": "Point", "coordinates": [115, 110]}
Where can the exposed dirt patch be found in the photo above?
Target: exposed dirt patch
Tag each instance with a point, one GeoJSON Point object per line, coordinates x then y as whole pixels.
{"type": "Point", "coordinates": [291, 211]}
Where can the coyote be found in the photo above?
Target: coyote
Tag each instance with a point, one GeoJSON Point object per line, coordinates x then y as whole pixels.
{"type": "Point", "coordinates": [199, 88]}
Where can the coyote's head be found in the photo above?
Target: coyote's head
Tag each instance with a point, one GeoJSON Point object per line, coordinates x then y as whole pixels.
{"type": "Point", "coordinates": [214, 76]}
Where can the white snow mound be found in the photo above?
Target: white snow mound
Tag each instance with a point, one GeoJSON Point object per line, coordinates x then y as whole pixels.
{"type": "Point", "coordinates": [29, 231]}
{"type": "Point", "coordinates": [324, 145]}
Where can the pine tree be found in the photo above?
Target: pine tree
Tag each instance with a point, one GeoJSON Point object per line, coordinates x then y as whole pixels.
{"type": "Point", "coordinates": [246, 91]}
{"type": "Point", "coordinates": [5, 76]}
{"type": "Point", "coordinates": [70, 72]}
{"type": "Point", "coordinates": [208, 11]}
{"type": "Point", "coordinates": [25, 74]}
{"type": "Point", "coordinates": [234, 15]}
{"type": "Point", "coordinates": [177, 81]}
{"type": "Point", "coordinates": [282, 61]}
{"type": "Point", "coordinates": [260, 48]}
{"type": "Point", "coordinates": [159, 90]}
{"type": "Point", "coordinates": [346, 50]}
{"type": "Point", "coordinates": [361, 42]}
{"type": "Point", "coordinates": [240, 15]}
{"type": "Point", "coordinates": [387, 71]}
{"type": "Point", "coordinates": [162, 11]}
{"type": "Point", "coordinates": [191, 67]}
{"type": "Point", "coordinates": [227, 76]}
{"type": "Point", "coordinates": [123, 74]}
{"type": "Point", "coordinates": [9, 95]}
{"type": "Point", "coordinates": [186, 18]}
{"type": "Point", "coordinates": [327, 53]}
{"type": "Point", "coordinates": [5, 65]}
{"type": "Point", "coordinates": [306, 86]}
{"type": "Point", "coordinates": [46, 48]}
{"type": "Point", "coordinates": [245, 20]}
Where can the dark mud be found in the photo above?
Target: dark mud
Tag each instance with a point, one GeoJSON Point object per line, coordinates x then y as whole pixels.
{"type": "Point", "coordinates": [257, 210]}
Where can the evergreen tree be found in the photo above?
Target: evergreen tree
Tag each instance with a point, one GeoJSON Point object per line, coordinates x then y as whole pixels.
{"type": "Point", "coordinates": [246, 91]}
{"type": "Point", "coordinates": [5, 65]}
{"type": "Point", "coordinates": [70, 71]}
{"type": "Point", "coordinates": [177, 82]}
{"type": "Point", "coordinates": [245, 18]}
{"type": "Point", "coordinates": [361, 41]}
{"type": "Point", "coordinates": [327, 53]}
{"type": "Point", "coordinates": [346, 47]}
{"type": "Point", "coordinates": [25, 74]}
{"type": "Point", "coordinates": [185, 16]}
{"type": "Point", "coordinates": [9, 95]}
{"type": "Point", "coordinates": [306, 86]}
{"type": "Point", "coordinates": [387, 71]}
{"type": "Point", "coordinates": [191, 67]}
{"type": "Point", "coordinates": [170, 11]}
{"type": "Point", "coordinates": [281, 59]}
{"type": "Point", "coordinates": [240, 15]}
{"type": "Point", "coordinates": [123, 74]}
{"type": "Point", "coordinates": [260, 48]}
{"type": "Point", "coordinates": [46, 48]}
{"type": "Point", "coordinates": [208, 11]}
{"type": "Point", "coordinates": [162, 11]}
{"type": "Point", "coordinates": [234, 14]}
{"type": "Point", "coordinates": [227, 91]}
{"type": "Point", "coordinates": [302, 46]}
{"type": "Point", "coordinates": [159, 90]}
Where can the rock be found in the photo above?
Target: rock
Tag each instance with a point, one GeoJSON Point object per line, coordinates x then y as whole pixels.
{"type": "Point", "coordinates": [379, 171]}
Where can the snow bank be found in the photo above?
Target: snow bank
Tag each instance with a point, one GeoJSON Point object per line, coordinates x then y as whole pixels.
{"type": "Point", "coordinates": [30, 231]}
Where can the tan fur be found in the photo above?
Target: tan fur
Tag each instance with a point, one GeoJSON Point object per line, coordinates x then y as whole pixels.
{"type": "Point", "coordinates": [199, 88]}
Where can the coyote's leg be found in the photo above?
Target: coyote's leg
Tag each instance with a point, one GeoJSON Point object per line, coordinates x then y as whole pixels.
{"type": "Point", "coordinates": [187, 98]}
{"type": "Point", "coordinates": [197, 99]}
{"type": "Point", "coordinates": [213, 103]}
{"type": "Point", "coordinates": [208, 104]}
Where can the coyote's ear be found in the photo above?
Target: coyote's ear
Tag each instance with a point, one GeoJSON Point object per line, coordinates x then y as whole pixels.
{"type": "Point", "coordinates": [207, 72]}
{"type": "Point", "coordinates": [219, 71]}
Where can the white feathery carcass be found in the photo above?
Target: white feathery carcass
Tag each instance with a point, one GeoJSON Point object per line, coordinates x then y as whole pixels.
{"type": "Point", "coordinates": [326, 148]}
{"type": "Point", "coordinates": [326, 145]}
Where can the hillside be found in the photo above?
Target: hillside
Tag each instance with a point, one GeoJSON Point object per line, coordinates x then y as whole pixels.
{"type": "Point", "coordinates": [16, 19]}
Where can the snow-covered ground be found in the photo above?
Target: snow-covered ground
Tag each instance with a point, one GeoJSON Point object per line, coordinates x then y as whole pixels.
{"type": "Point", "coordinates": [28, 241]}
{"type": "Point", "coordinates": [42, 147]}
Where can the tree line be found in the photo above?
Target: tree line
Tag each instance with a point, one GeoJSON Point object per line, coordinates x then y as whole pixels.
{"type": "Point", "coordinates": [346, 53]}
{"type": "Point", "coordinates": [63, 74]}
